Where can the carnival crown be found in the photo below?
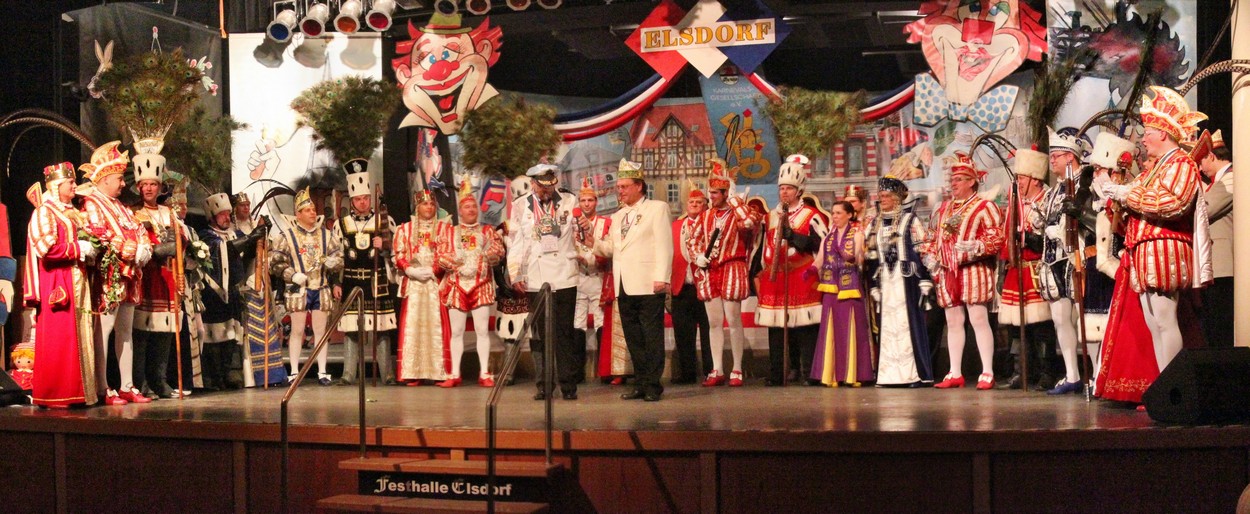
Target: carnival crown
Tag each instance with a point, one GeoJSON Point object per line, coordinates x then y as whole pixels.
{"type": "Point", "coordinates": [889, 184]}
{"type": "Point", "coordinates": [465, 194]}
{"type": "Point", "coordinates": [105, 160]}
{"type": "Point", "coordinates": [1032, 163]}
{"type": "Point", "coordinates": [1168, 112]}
{"type": "Point", "coordinates": [1112, 152]}
{"type": "Point", "coordinates": [423, 196]}
{"type": "Point", "coordinates": [1201, 147]}
{"type": "Point", "coordinates": [303, 199]}
{"type": "Point", "coordinates": [241, 198]}
{"type": "Point", "coordinates": [1217, 139]}
{"type": "Point", "coordinates": [718, 174]}
{"type": "Point", "coordinates": [793, 171]}
{"type": "Point", "coordinates": [217, 203]}
{"type": "Point", "coordinates": [54, 174]}
{"type": "Point", "coordinates": [693, 191]}
{"type": "Point", "coordinates": [588, 188]}
{"type": "Point", "coordinates": [1066, 140]}
{"type": "Point", "coordinates": [961, 163]}
{"type": "Point", "coordinates": [856, 191]}
{"type": "Point", "coordinates": [629, 169]}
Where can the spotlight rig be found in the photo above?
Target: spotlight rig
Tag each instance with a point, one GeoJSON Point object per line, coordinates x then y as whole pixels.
{"type": "Point", "coordinates": [311, 16]}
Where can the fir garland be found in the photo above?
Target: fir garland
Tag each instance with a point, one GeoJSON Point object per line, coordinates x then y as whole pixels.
{"type": "Point", "coordinates": [508, 136]}
{"type": "Point", "coordinates": [811, 122]}
{"type": "Point", "coordinates": [348, 114]}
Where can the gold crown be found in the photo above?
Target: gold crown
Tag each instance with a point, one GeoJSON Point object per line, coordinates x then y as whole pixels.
{"type": "Point", "coordinates": [629, 169]}
{"type": "Point", "coordinates": [57, 172]}
{"type": "Point", "coordinates": [303, 199]}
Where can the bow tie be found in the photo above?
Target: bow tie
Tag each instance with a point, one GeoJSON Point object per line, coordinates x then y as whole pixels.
{"type": "Point", "coordinates": [990, 112]}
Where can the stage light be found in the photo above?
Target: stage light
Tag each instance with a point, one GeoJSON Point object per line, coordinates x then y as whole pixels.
{"type": "Point", "coordinates": [348, 20]}
{"type": "Point", "coordinates": [478, 7]}
{"type": "Point", "coordinates": [314, 23]}
{"type": "Point", "coordinates": [519, 5]}
{"type": "Point", "coordinates": [550, 4]}
{"type": "Point", "coordinates": [282, 27]}
{"type": "Point", "coordinates": [379, 17]}
{"type": "Point", "coordinates": [447, 7]}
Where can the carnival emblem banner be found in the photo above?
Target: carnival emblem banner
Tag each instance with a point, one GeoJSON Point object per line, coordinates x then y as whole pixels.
{"type": "Point", "coordinates": [707, 37]}
{"type": "Point", "coordinates": [744, 137]}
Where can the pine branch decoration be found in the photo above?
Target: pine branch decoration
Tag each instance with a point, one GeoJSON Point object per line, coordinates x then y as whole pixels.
{"type": "Point", "coordinates": [1051, 85]}
{"type": "Point", "coordinates": [811, 122]}
{"type": "Point", "coordinates": [148, 93]}
{"type": "Point", "coordinates": [348, 115]}
{"type": "Point", "coordinates": [507, 136]}
{"type": "Point", "coordinates": [199, 147]}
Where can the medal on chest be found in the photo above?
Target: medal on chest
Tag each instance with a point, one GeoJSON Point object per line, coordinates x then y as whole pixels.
{"type": "Point", "coordinates": [362, 241]}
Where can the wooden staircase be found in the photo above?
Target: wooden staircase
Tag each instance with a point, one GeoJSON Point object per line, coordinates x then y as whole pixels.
{"type": "Point", "coordinates": [435, 486]}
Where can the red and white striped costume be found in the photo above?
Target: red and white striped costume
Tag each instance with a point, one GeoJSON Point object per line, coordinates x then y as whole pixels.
{"type": "Point", "coordinates": [1036, 308]}
{"type": "Point", "coordinates": [964, 278]}
{"type": "Point", "coordinates": [115, 225]}
{"type": "Point", "coordinates": [471, 284]}
{"type": "Point", "coordinates": [728, 268]}
{"type": "Point", "coordinates": [1159, 233]}
{"type": "Point", "coordinates": [155, 311]}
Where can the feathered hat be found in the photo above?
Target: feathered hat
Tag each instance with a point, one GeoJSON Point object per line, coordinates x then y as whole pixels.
{"type": "Point", "coordinates": [629, 169]}
{"type": "Point", "coordinates": [718, 174]}
{"type": "Point", "coordinates": [55, 174]}
{"type": "Point", "coordinates": [793, 171]}
{"type": "Point", "coordinates": [693, 191]}
{"type": "Point", "coordinates": [588, 188]}
{"type": "Point", "coordinates": [1032, 163]}
{"type": "Point", "coordinates": [1112, 152]}
{"type": "Point", "coordinates": [216, 204]}
{"type": "Point", "coordinates": [465, 194]}
{"type": "Point", "coordinates": [105, 160]}
{"type": "Point", "coordinates": [1168, 112]}
{"type": "Point", "coordinates": [889, 184]}
{"type": "Point", "coordinates": [961, 163]}
{"type": "Point", "coordinates": [303, 199]}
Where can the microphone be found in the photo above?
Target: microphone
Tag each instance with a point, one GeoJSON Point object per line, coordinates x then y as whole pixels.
{"type": "Point", "coordinates": [577, 215]}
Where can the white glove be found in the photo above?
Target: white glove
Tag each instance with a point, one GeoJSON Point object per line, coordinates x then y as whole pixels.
{"type": "Point", "coordinates": [299, 279]}
{"type": "Point", "coordinates": [929, 261]}
{"type": "Point", "coordinates": [424, 273]}
{"type": "Point", "coordinates": [701, 261]}
{"type": "Point", "coordinates": [1054, 232]}
{"type": "Point", "coordinates": [925, 287]}
{"type": "Point", "coordinates": [468, 271]}
{"type": "Point", "coordinates": [143, 255]}
{"type": "Point", "coordinates": [1115, 191]}
{"type": "Point", "coordinates": [971, 246]}
{"type": "Point", "coordinates": [412, 273]}
{"type": "Point", "coordinates": [85, 250]}
{"type": "Point", "coordinates": [875, 293]}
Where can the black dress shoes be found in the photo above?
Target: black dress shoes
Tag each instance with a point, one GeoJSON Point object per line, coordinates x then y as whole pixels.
{"type": "Point", "coordinates": [570, 395]}
{"type": "Point", "coordinates": [541, 395]}
{"type": "Point", "coordinates": [651, 397]}
{"type": "Point", "coordinates": [635, 395]}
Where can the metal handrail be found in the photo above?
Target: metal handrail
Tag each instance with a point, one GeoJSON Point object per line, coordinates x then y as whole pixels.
{"type": "Point", "coordinates": [543, 303]}
{"type": "Point", "coordinates": [355, 296]}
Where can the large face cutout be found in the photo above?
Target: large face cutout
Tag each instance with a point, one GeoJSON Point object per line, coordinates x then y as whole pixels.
{"type": "Point", "coordinates": [971, 45]}
{"type": "Point", "coordinates": [443, 70]}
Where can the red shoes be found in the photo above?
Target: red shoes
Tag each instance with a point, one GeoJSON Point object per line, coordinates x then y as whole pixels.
{"type": "Point", "coordinates": [413, 383]}
{"type": "Point", "coordinates": [950, 382]}
{"type": "Point", "coordinates": [486, 380]}
{"type": "Point", "coordinates": [617, 381]}
{"type": "Point", "coordinates": [985, 382]}
{"type": "Point", "coordinates": [715, 378]}
{"type": "Point", "coordinates": [133, 396]}
{"type": "Point", "coordinates": [451, 382]}
{"type": "Point", "coordinates": [735, 379]}
{"type": "Point", "coordinates": [110, 397]}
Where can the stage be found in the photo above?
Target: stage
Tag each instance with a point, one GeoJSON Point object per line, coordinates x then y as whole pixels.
{"type": "Point", "coordinates": [749, 449]}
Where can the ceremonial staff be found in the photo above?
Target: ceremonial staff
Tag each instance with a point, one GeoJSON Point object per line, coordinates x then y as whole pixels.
{"type": "Point", "coordinates": [1015, 241]}
{"type": "Point", "coordinates": [180, 282]}
{"type": "Point", "coordinates": [780, 252]}
{"type": "Point", "coordinates": [1077, 261]}
{"type": "Point", "coordinates": [380, 228]}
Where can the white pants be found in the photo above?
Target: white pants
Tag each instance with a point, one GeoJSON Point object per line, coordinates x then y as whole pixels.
{"type": "Point", "coordinates": [718, 311]}
{"type": "Point", "coordinates": [980, 317]}
{"type": "Point", "coordinates": [120, 323]}
{"type": "Point", "coordinates": [299, 320]}
{"type": "Point", "coordinates": [481, 328]}
{"type": "Point", "coordinates": [1064, 316]}
{"type": "Point", "coordinates": [588, 294]}
{"type": "Point", "coordinates": [1160, 311]}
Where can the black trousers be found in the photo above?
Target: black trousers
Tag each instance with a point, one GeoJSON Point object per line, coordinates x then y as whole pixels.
{"type": "Point", "coordinates": [689, 315]}
{"type": "Point", "coordinates": [1217, 317]}
{"type": "Point", "coordinates": [567, 369]}
{"type": "Point", "coordinates": [802, 342]}
{"type": "Point", "coordinates": [151, 359]}
{"type": "Point", "coordinates": [642, 320]}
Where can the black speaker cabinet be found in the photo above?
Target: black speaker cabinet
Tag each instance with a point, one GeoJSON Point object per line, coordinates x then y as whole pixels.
{"type": "Point", "coordinates": [1202, 386]}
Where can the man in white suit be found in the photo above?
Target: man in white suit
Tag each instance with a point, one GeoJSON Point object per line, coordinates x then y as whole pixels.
{"type": "Point", "coordinates": [1217, 168]}
{"type": "Point", "coordinates": [640, 245]}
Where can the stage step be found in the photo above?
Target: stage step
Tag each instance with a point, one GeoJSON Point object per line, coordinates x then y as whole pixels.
{"type": "Point", "coordinates": [451, 467]}
{"type": "Point", "coordinates": [367, 503]}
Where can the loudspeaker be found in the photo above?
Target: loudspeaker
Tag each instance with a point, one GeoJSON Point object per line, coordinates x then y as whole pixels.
{"type": "Point", "coordinates": [1202, 386]}
{"type": "Point", "coordinates": [10, 392]}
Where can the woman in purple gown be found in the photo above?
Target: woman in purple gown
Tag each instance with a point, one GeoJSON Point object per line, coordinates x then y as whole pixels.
{"type": "Point", "coordinates": [843, 349]}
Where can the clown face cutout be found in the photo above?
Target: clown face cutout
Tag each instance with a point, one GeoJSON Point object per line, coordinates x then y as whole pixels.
{"type": "Point", "coordinates": [971, 45]}
{"type": "Point", "coordinates": [442, 71]}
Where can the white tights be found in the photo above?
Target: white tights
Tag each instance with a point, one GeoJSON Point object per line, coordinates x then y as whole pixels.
{"type": "Point", "coordinates": [718, 311]}
{"type": "Point", "coordinates": [1063, 314]}
{"type": "Point", "coordinates": [1160, 311]}
{"type": "Point", "coordinates": [481, 324]}
{"type": "Point", "coordinates": [121, 324]}
{"type": "Point", "coordinates": [980, 316]}
{"type": "Point", "coordinates": [298, 321]}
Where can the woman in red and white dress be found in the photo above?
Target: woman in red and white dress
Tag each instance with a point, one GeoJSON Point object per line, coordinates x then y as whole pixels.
{"type": "Point", "coordinates": [423, 351]}
{"type": "Point", "coordinates": [965, 234]}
